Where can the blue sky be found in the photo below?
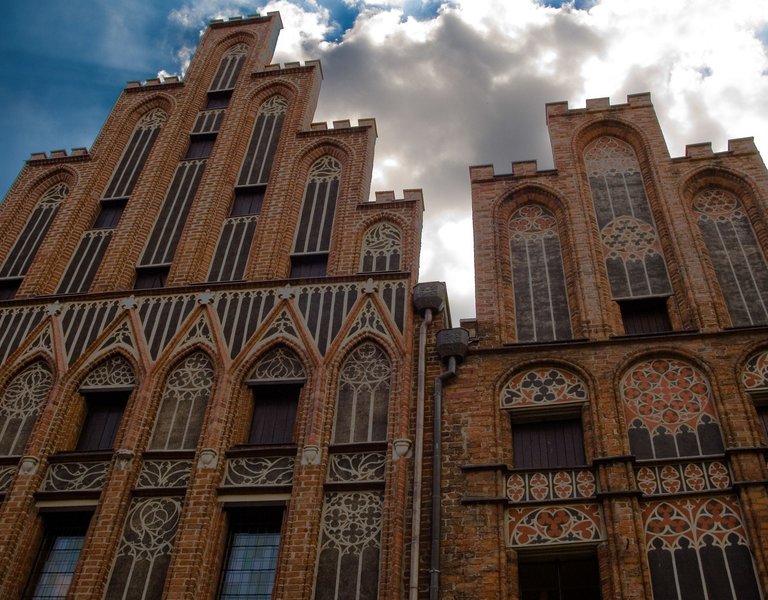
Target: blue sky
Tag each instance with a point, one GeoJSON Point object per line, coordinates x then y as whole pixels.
{"type": "Point", "coordinates": [451, 83]}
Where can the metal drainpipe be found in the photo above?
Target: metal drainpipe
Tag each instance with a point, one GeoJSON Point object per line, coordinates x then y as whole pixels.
{"type": "Point", "coordinates": [437, 461]}
{"type": "Point", "coordinates": [418, 453]}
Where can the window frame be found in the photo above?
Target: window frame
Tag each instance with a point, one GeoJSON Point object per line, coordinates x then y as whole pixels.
{"type": "Point", "coordinates": [100, 402]}
{"type": "Point", "coordinates": [568, 415]}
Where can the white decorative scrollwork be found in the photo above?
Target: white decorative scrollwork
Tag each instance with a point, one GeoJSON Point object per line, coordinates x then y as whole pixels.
{"type": "Point", "coordinates": [609, 156]}
{"type": "Point", "coordinates": [276, 105]}
{"type": "Point", "coordinates": [164, 474]}
{"type": "Point", "coordinates": [367, 368]}
{"type": "Point", "coordinates": [259, 471]}
{"type": "Point", "coordinates": [150, 528]}
{"type": "Point", "coordinates": [282, 325]}
{"type": "Point", "coordinates": [153, 119]}
{"type": "Point", "coordinates": [325, 169]}
{"type": "Point", "coordinates": [279, 363]}
{"type": "Point", "coordinates": [199, 332]}
{"type": "Point", "coordinates": [26, 392]}
{"type": "Point", "coordinates": [238, 50]}
{"type": "Point", "coordinates": [382, 247]}
{"type": "Point", "coordinates": [55, 194]}
{"type": "Point", "coordinates": [75, 477]}
{"type": "Point", "coordinates": [368, 319]}
{"type": "Point", "coordinates": [351, 521]}
{"type": "Point", "coordinates": [357, 466]}
{"type": "Point", "coordinates": [114, 372]}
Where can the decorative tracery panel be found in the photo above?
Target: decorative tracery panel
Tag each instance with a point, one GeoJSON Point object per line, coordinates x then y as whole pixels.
{"type": "Point", "coordinates": [182, 406]}
{"type": "Point", "coordinates": [538, 277]}
{"type": "Point", "coordinates": [24, 250]}
{"type": "Point", "coordinates": [382, 249]}
{"type": "Point", "coordinates": [755, 373]}
{"type": "Point", "coordinates": [350, 543]}
{"type": "Point", "coordinates": [115, 372]}
{"type": "Point", "coordinates": [21, 402]}
{"type": "Point", "coordinates": [145, 549]}
{"type": "Point", "coordinates": [669, 412]}
{"type": "Point", "coordinates": [697, 548]}
{"type": "Point", "coordinates": [736, 256]}
{"type": "Point", "coordinates": [363, 400]}
{"type": "Point", "coordinates": [554, 524]}
{"type": "Point", "coordinates": [279, 364]}
{"type": "Point", "coordinates": [633, 256]}
{"type": "Point", "coordinates": [541, 386]}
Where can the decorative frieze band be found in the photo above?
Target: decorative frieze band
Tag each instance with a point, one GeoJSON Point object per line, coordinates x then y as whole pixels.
{"type": "Point", "coordinates": [164, 474]}
{"type": "Point", "coordinates": [357, 466]}
{"type": "Point", "coordinates": [255, 471]}
{"type": "Point", "coordinates": [664, 480]}
{"type": "Point", "coordinates": [541, 486]}
{"type": "Point", "coordinates": [75, 477]}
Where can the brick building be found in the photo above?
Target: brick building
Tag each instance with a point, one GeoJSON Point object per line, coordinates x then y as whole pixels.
{"type": "Point", "coordinates": [605, 435]}
{"type": "Point", "coordinates": [207, 342]}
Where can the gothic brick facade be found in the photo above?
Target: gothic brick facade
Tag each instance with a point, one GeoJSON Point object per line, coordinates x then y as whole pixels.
{"type": "Point", "coordinates": [604, 437]}
{"type": "Point", "coordinates": [207, 346]}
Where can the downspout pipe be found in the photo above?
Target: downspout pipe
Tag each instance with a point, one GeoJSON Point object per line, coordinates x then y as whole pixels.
{"type": "Point", "coordinates": [452, 344]}
{"type": "Point", "coordinates": [428, 299]}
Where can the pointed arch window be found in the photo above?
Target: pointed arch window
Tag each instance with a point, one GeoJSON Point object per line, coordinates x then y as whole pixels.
{"type": "Point", "coordinates": [538, 277]}
{"type": "Point", "coordinates": [363, 399]}
{"type": "Point", "coordinates": [313, 236]}
{"type": "Point", "coordinates": [382, 249]}
{"type": "Point", "coordinates": [630, 241]}
{"type": "Point", "coordinates": [276, 382]}
{"type": "Point", "coordinates": [22, 401]}
{"type": "Point", "coordinates": [229, 68]}
{"type": "Point", "coordinates": [186, 394]}
{"type": "Point", "coordinates": [237, 233]}
{"type": "Point", "coordinates": [736, 256]}
{"type": "Point", "coordinates": [93, 244]}
{"type": "Point", "coordinates": [669, 411]}
{"type": "Point", "coordinates": [23, 251]}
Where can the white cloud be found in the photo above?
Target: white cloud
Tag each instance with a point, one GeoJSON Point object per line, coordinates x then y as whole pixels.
{"type": "Point", "coordinates": [469, 86]}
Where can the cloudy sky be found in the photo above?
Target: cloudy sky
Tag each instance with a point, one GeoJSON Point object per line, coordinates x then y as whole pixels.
{"type": "Point", "coordinates": [450, 83]}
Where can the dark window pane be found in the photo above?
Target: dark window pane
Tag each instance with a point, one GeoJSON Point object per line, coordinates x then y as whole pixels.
{"type": "Point", "coordinates": [248, 200]}
{"type": "Point", "coordinates": [572, 579]}
{"type": "Point", "coordinates": [148, 278]}
{"type": "Point", "coordinates": [313, 265]}
{"type": "Point", "coordinates": [251, 560]}
{"type": "Point", "coordinates": [218, 100]}
{"type": "Point", "coordinates": [200, 146]}
{"type": "Point", "coordinates": [58, 555]}
{"type": "Point", "coordinates": [110, 214]}
{"type": "Point", "coordinates": [546, 444]}
{"type": "Point", "coordinates": [8, 288]}
{"type": "Point", "coordinates": [274, 414]}
{"type": "Point", "coordinates": [102, 420]}
{"type": "Point", "coordinates": [762, 414]}
{"type": "Point", "coordinates": [648, 315]}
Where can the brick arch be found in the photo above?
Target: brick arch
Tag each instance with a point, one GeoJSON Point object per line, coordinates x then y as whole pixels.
{"type": "Point", "coordinates": [681, 313]}
{"type": "Point", "coordinates": [505, 206]}
{"type": "Point", "coordinates": [668, 408]}
{"type": "Point", "coordinates": [740, 296]}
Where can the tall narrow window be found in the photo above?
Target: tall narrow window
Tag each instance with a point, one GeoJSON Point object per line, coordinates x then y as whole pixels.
{"type": "Point", "coordinates": [63, 537]}
{"type": "Point", "coordinates": [538, 278]}
{"type": "Point", "coordinates": [93, 245]}
{"type": "Point", "coordinates": [382, 249]}
{"type": "Point", "coordinates": [21, 402]}
{"type": "Point", "coordinates": [229, 68]}
{"type": "Point", "coordinates": [185, 396]}
{"type": "Point", "coordinates": [251, 558]}
{"type": "Point", "coordinates": [23, 252]}
{"type": "Point", "coordinates": [144, 553]}
{"type": "Point", "coordinates": [237, 233]}
{"type": "Point", "coordinates": [313, 236]}
{"type": "Point", "coordinates": [736, 256]}
{"type": "Point", "coordinates": [631, 248]}
{"type": "Point", "coordinates": [363, 399]}
{"type": "Point", "coordinates": [669, 412]}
